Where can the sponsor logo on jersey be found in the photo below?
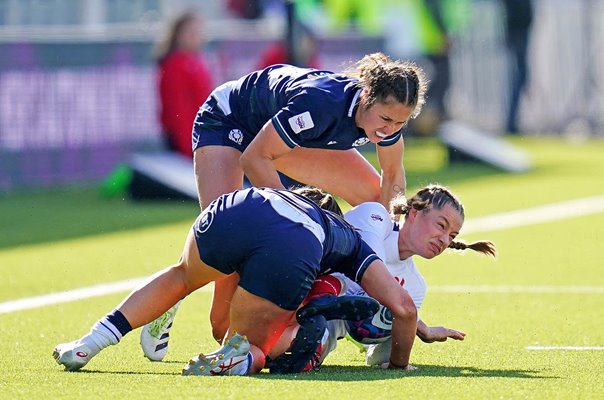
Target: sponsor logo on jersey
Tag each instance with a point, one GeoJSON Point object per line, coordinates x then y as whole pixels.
{"type": "Point", "coordinates": [205, 220]}
{"type": "Point", "coordinates": [360, 142]}
{"type": "Point", "coordinates": [331, 142]}
{"type": "Point", "coordinates": [377, 217]}
{"type": "Point", "coordinates": [236, 136]}
{"type": "Point", "coordinates": [301, 122]}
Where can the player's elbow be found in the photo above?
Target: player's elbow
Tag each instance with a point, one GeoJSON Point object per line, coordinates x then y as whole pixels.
{"type": "Point", "coordinates": [245, 160]}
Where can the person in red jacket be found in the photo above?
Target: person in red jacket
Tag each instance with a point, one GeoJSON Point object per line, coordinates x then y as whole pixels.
{"type": "Point", "coordinates": [183, 80]}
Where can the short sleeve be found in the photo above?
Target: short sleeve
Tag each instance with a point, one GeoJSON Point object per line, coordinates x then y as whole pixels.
{"type": "Point", "coordinates": [304, 118]}
{"type": "Point", "coordinates": [374, 224]}
{"type": "Point", "coordinates": [392, 139]}
{"type": "Point", "coordinates": [364, 258]}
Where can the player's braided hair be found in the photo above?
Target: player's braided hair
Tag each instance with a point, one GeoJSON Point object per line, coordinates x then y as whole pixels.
{"type": "Point", "coordinates": [324, 200]}
{"type": "Point", "coordinates": [437, 196]}
{"type": "Point", "coordinates": [383, 78]}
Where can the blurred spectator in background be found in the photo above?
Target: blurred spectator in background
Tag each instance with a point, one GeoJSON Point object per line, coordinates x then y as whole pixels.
{"type": "Point", "coordinates": [248, 9]}
{"type": "Point", "coordinates": [423, 30]}
{"type": "Point", "coordinates": [184, 80]}
{"type": "Point", "coordinates": [519, 18]}
{"type": "Point", "coordinates": [301, 50]}
{"type": "Point", "coordinates": [360, 14]}
{"type": "Point", "coordinates": [436, 44]}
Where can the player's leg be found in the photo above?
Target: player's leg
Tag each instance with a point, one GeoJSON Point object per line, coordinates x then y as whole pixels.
{"type": "Point", "coordinates": [261, 320]}
{"type": "Point", "coordinates": [166, 288]}
{"type": "Point", "coordinates": [345, 173]}
{"type": "Point", "coordinates": [221, 303]}
{"type": "Point", "coordinates": [275, 276]}
{"type": "Point", "coordinates": [303, 347]}
{"type": "Point", "coordinates": [217, 172]}
{"type": "Point", "coordinates": [255, 325]}
{"type": "Point", "coordinates": [143, 305]}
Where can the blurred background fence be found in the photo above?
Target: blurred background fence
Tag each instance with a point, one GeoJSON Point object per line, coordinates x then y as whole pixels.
{"type": "Point", "coordinates": [78, 94]}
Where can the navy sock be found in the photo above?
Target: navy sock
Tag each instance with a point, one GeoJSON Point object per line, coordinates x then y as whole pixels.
{"type": "Point", "coordinates": [119, 321]}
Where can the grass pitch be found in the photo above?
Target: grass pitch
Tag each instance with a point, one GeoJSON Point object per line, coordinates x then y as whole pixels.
{"type": "Point", "coordinates": [527, 297]}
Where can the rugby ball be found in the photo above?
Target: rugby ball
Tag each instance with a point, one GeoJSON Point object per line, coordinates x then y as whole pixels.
{"type": "Point", "coordinates": [372, 330]}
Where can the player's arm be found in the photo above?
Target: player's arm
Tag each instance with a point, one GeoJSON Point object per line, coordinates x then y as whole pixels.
{"type": "Point", "coordinates": [429, 334]}
{"type": "Point", "coordinates": [392, 171]}
{"type": "Point", "coordinates": [378, 283]}
{"type": "Point", "coordinates": [257, 160]}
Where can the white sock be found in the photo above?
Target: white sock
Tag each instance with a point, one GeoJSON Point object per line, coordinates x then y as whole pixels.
{"type": "Point", "coordinates": [102, 334]}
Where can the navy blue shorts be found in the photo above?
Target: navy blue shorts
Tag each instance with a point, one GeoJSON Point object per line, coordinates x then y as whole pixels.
{"type": "Point", "coordinates": [215, 127]}
{"type": "Point", "coordinates": [276, 257]}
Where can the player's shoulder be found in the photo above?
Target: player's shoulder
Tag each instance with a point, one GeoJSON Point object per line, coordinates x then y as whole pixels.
{"type": "Point", "coordinates": [369, 214]}
{"type": "Point", "coordinates": [371, 211]}
{"type": "Point", "coordinates": [330, 87]}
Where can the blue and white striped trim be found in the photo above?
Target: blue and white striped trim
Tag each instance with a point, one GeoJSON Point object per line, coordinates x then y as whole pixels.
{"type": "Point", "coordinates": [286, 210]}
{"type": "Point", "coordinates": [354, 102]}
{"type": "Point", "coordinates": [283, 133]}
{"type": "Point", "coordinates": [391, 140]}
{"type": "Point", "coordinates": [222, 95]}
{"type": "Point", "coordinates": [364, 265]}
{"type": "Point", "coordinates": [111, 328]}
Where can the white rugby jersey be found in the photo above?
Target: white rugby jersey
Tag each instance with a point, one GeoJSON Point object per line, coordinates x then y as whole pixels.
{"type": "Point", "coordinates": [381, 234]}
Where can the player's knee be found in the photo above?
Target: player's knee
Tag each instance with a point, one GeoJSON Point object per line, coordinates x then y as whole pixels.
{"type": "Point", "coordinates": [406, 311]}
{"type": "Point", "coordinates": [187, 282]}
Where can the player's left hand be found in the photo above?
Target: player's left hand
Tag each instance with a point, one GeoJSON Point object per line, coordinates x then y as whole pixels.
{"type": "Point", "coordinates": [441, 334]}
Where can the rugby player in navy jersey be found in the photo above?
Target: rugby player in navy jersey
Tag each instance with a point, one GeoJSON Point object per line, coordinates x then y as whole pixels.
{"type": "Point", "coordinates": [305, 123]}
{"type": "Point", "coordinates": [278, 242]}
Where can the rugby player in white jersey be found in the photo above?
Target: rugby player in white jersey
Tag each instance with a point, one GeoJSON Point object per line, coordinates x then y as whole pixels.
{"type": "Point", "coordinates": [430, 222]}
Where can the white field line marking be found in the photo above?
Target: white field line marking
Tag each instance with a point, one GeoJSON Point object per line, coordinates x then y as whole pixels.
{"type": "Point", "coordinates": [536, 215]}
{"type": "Point", "coordinates": [539, 289]}
{"type": "Point", "coordinates": [567, 209]}
{"type": "Point", "coordinates": [70, 295]}
{"type": "Point", "coordinates": [575, 348]}
{"type": "Point", "coordinates": [76, 294]}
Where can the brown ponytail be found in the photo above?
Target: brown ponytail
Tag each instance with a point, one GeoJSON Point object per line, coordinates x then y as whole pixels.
{"type": "Point", "coordinates": [482, 246]}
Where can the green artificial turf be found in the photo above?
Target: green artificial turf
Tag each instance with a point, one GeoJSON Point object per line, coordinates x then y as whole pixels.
{"type": "Point", "coordinates": [72, 238]}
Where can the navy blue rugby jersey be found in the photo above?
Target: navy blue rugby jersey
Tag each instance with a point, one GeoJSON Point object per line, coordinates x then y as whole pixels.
{"type": "Point", "coordinates": [308, 107]}
{"type": "Point", "coordinates": [344, 250]}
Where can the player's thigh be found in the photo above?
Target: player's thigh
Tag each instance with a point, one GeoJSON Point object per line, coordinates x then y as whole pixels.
{"type": "Point", "coordinates": [345, 173]}
{"type": "Point", "coordinates": [259, 319]}
{"type": "Point", "coordinates": [283, 265]}
{"type": "Point", "coordinates": [217, 172]}
{"type": "Point", "coordinates": [196, 272]}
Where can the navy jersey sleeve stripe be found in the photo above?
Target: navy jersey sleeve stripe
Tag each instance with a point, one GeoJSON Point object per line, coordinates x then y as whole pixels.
{"type": "Point", "coordinates": [364, 265]}
{"type": "Point", "coordinates": [389, 141]}
{"type": "Point", "coordinates": [283, 133]}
